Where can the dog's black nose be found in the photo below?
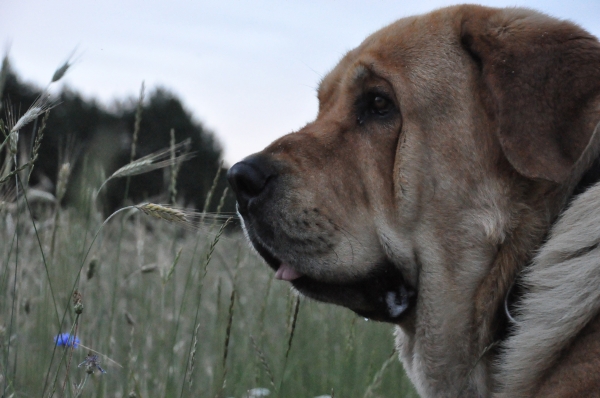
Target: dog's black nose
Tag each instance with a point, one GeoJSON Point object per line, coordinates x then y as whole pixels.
{"type": "Point", "coordinates": [248, 178]}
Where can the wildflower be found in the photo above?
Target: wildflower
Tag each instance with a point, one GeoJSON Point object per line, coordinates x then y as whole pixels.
{"type": "Point", "coordinates": [65, 339]}
{"type": "Point", "coordinates": [258, 392]}
{"type": "Point", "coordinates": [91, 363]}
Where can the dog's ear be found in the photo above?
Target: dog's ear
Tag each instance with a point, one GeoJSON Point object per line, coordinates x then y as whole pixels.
{"type": "Point", "coordinates": [541, 77]}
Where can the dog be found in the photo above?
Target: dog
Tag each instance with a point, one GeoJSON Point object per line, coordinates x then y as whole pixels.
{"type": "Point", "coordinates": [447, 186]}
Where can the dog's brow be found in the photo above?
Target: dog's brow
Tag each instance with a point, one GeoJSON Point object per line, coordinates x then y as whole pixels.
{"type": "Point", "coordinates": [356, 75]}
{"type": "Point", "coordinates": [360, 72]}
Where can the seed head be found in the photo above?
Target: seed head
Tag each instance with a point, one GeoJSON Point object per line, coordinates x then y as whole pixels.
{"type": "Point", "coordinates": [146, 269]}
{"type": "Point", "coordinates": [77, 303]}
{"type": "Point", "coordinates": [43, 103]}
{"type": "Point", "coordinates": [129, 319]}
{"type": "Point", "coordinates": [60, 72]}
{"type": "Point", "coordinates": [163, 212]}
{"type": "Point", "coordinates": [92, 268]}
{"type": "Point", "coordinates": [187, 218]}
{"type": "Point", "coordinates": [13, 142]}
{"type": "Point", "coordinates": [156, 160]}
{"type": "Point", "coordinates": [91, 363]}
{"type": "Point", "coordinates": [63, 178]}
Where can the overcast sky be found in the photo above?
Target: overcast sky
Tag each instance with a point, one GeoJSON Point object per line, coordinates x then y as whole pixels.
{"type": "Point", "coordinates": [248, 70]}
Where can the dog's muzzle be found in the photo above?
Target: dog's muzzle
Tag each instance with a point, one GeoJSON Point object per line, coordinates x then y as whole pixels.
{"type": "Point", "coordinates": [381, 294]}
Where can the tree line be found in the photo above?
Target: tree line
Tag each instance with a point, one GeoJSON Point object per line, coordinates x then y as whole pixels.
{"type": "Point", "coordinates": [96, 139]}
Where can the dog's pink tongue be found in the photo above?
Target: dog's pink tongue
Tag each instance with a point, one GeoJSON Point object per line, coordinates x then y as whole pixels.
{"type": "Point", "coordinates": [287, 273]}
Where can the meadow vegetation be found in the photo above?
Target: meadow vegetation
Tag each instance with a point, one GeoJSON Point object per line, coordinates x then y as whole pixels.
{"type": "Point", "coordinates": [156, 300]}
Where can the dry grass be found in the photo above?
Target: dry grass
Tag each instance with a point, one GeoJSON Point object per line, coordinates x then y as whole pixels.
{"type": "Point", "coordinates": [120, 293]}
{"type": "Point", "coordinates": [150, 283]}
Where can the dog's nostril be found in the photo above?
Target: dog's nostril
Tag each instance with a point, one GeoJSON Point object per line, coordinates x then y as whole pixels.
{"type": "Point", "coordinates": [247, 181]}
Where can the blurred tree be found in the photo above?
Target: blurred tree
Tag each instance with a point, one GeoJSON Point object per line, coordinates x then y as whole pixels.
{"type": "Point", "coordinates": [92, 136]}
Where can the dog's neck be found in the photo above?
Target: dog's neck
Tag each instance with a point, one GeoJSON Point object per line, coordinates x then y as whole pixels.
{"type": "Point", "coordinates": [506, 315]}
{"type": "Point", "coordinates": [501, 290]}
{"type": "Point", "coordinates": [589, 178]}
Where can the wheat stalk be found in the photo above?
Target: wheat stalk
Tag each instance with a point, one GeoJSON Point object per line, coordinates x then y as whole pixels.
{"type": "Point", "coordinates": [293, 325]}
{"type": "Point", "coordinates": [192, 352]}
{"type": "Point", "coordinates": [289, 345]}
{"type": "Point", "coordinates": [213, 186]}
{"type": "Point", "coordinates": [60, 72]}
{"type": "Point", "coordinates": [169, 273]}
{"type": "Point", "coordinates": [138, 121]}
{"type": "Point", "coordinates": [130, 356]}
{"type": "Point", "coordinates": [379, 375]}
{"type": "Point", "coordinates": [42, 104]}
{"type": "Point", "coordinates": [14, 172]}
{"type": "Point", "coordinates": [163, 212]}
{"type": "Point", "coordinates": [153, 161]}
{"type": "Point", "coordinates": [263, 361]}
{"type": "Point", "coordinates": [4, 74]}
{"type": "Point", "coordinates": [226, 345]}
{"type": "Point", "coordinates": [188, 219]}
{"type": "Point", "coordinates": [37, 143]}
{"type": "Point", "coordinates": [174, 169]}
{"type": "Point", "coordinates": [63, 179]}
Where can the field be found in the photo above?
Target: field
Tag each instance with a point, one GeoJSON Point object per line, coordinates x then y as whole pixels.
{"type": "Point", "coordinates": [161, 302]}
{"type": "Point", "coordinates": [164, 327]}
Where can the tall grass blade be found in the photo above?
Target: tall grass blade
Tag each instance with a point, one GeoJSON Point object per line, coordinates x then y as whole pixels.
{"type": "Point", "coordinates": [226, 345]}
{"type": "Point", "coordinates": [189, 367]}
{"type": "Point", "coordinates": [379, 375]}
{"type": "Point", "coordinates": [263, 361]}
{"type": "Point", "coordinates": [289, 343]}
{"type": "Point", "coordinates": [138, 122]}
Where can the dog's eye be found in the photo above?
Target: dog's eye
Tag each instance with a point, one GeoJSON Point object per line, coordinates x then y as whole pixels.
{"type": "Point", "coordinates": [380, 105]}
{"type": "Point", "coordinates": [373, 105]}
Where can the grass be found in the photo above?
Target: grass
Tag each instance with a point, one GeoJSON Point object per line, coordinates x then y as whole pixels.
{"type": "Point", "coordinates": [166, 303]}
{"type": "Point", "coordinates": [144, 320]}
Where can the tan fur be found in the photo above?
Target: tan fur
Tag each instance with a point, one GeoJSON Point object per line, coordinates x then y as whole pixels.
{"type": "Point", "coordinates": [433, 208]}
{"type": "Point", "coordinates": [562, 298]}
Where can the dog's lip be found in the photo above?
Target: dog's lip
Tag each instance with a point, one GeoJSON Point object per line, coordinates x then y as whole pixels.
{"type": "Point", "coordinates": [266, 254]}
{"type": "Point", "coordinates": [283, 271]}
{"type": "Point", "coordinates": [389, 302]}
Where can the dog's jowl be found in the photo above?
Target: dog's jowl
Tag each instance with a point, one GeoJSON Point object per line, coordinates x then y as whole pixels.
{"type": "Point", "coordinates": [452, 162]}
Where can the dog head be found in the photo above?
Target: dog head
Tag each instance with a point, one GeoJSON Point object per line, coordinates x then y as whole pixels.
{"type": "Point", "coordinates": [443, 148]}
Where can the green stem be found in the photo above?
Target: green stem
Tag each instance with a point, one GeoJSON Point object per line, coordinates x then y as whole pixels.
{"type": "Point", "coordinates": [80, 387]}
{"type": "Point", "coordinates": [14, 298]}
{"type": "Point", "coordinates": [72, 335]}
{"type": "Point", "coordinates": [43, 257]}
{"type": "Point", "coordinates": [77, 277]}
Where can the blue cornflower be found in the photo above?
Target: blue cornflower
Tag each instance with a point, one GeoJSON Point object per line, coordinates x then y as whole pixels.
{"type": "Point", "coordinates": [65, 339]}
